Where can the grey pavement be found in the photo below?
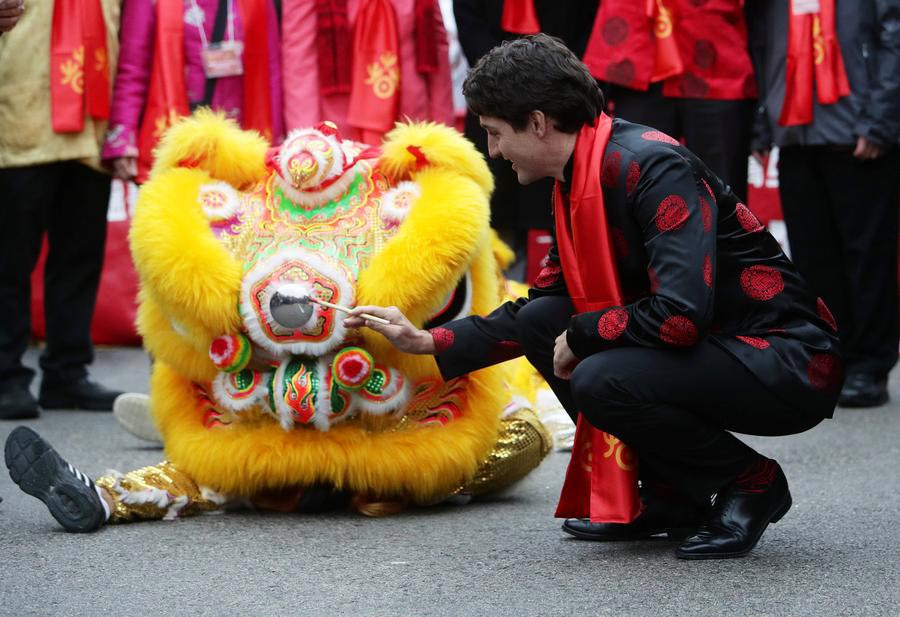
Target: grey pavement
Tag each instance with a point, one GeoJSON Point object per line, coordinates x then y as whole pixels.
{"type": "Point", "coordinates": [835, 553]}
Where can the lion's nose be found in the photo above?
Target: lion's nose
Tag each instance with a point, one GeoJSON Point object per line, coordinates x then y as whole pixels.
{"type": "Point", "coordinates": [290, 306]}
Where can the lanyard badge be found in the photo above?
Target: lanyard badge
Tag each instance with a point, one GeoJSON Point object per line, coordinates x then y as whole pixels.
{"type": "Point", "coordinates": [221, 58]}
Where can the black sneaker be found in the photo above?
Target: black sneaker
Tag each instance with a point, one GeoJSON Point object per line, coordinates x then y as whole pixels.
{"type": "Point", "coordinates": [70, 495]}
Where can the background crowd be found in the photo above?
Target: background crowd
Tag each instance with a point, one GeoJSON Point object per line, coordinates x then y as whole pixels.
{"type": "Point", "coordinates": [88, 86]}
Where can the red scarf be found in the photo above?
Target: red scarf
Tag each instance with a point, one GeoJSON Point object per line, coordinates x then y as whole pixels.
{"type": "Point", "coordinates": [167, 97]}
{"type": "Point", "coordinates": [79, 65]}
{"type": "Point", "coordinates": [519, 17]}
{"type": "Point", "coordinates": [601, 480]}
{"type": "Point", "coordinates": [813, 50]}
{"type": "Point", "coordinates": [333, 46]}
{"type": "Point", "coordinates": [375, 94]}
{"type": "Point", "coordinates": [667, 59]}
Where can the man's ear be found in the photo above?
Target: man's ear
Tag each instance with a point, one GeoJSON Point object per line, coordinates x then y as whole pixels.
{"type": "Point", "coordinates": [537, 122]}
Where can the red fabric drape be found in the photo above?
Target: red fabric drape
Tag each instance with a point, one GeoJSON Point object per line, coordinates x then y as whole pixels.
{"type": "Point", "coordinates": [375, 91]}
{"type": "Point", "coordinates": [257, 112]}
{"type": "Point", "coordinates": [79, 64]}
{"type": "Point", "coordinates": [601, 480]}
{"type": "Point", "coordinates": [667, 60]}
{"type": "Point", "coordinates": [519, 17]}
{"type": "Point", "coordinates": [813, 52]}
{"type": "Point", "coordinates": [426, 36]}
{"type": "Point", "coordinates": [334, 43]}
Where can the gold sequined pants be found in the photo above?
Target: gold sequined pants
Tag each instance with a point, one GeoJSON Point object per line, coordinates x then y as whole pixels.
{"type": "Point", "coordinates": [163, 492]}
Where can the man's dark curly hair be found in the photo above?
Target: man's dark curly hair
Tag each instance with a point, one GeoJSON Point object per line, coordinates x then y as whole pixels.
{"type": "Point", "coordinates": [534, 73]}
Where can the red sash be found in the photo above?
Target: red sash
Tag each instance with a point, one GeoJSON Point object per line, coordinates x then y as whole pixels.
{"type": "Point", "coordinates": [813, 50]}
{"type": "Point", "coordinates": [79, 65]}
{"type": "Point", "coordinates": [167, 97]}
{"type": "Point", "coordinates": [375, 91]}
{"type": "Point", "coordinates": [519, 17]}
{"type": "Point", "coordinates": [667, 59]}
{"type": "Point", "coordinates": [601, 480]}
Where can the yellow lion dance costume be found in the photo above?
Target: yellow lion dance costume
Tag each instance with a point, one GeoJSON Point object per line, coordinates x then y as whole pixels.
{"type": "Point", "coordinates": [266, 398]}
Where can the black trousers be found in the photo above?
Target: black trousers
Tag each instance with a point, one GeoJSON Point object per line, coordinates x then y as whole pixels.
{"type": "Point", "coordinates": [841, 217]}
{"type": "Point", "coordinates": [717, 131]}
{"type": "Point", "coordinates": [674, 408]}
{"type": "Point", "coordinates": [68, 202]}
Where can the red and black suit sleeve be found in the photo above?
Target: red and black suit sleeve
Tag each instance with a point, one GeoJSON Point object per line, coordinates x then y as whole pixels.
{"type": "Point", "coordinates": [475, 342]}
{"type": "Point", "coordinates": [675, 212]}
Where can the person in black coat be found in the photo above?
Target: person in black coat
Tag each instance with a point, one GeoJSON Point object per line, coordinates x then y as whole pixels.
{"type": "Point", "coordinates": [714, 330]}
{"type": "Point", "coordinates": [514, 208]}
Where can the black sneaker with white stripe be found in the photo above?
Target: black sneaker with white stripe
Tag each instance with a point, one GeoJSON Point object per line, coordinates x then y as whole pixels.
{"type": "Point", "coordinates": [39, 471]}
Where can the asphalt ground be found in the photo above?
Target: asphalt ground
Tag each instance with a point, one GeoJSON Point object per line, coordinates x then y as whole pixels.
{"type": "Point", "coordinates": [834, 554]}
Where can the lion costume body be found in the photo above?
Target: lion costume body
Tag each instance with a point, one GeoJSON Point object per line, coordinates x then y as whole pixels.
{"type": "Point", "coordinates": [260, 396]}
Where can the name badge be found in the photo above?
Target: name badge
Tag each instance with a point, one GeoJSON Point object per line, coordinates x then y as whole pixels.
{"type": "Point", "coordinates": [804, 7]}
{"type": "Point", "coordinates": [223, 59]}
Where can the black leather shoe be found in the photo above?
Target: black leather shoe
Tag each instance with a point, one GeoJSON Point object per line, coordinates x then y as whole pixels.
{"type": "Point", "coordinates": [863, 390]}
{"type": "Point", "coordinates": [79, 394]}
{"type": "Point", "coordinates": [660, 516]}
{"type": "Point", "coordinates": [17, 403]}
{"type": "Point", "coordinates": [737, 521]}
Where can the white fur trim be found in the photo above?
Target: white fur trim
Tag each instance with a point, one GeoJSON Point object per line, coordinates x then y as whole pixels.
{"type": "Point", "coordinates": [263, 269]}
{"type": "Point", "coordinates": [312, 199]}
{"type": "Point", "coordinates": [395, 397]}
{"type": "Point", "coordinates": [397, 202]}
{"type": "Point", "coordinates": [224, 392]}
{"type": "Point", "coordinates": [231, 201]}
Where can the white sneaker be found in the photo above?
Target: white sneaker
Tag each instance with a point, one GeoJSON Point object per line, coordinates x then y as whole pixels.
{"type": "Point", "coordinates": [132, 410]}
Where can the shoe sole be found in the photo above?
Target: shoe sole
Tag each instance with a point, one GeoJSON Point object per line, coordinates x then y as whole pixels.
{"type": "Point", "coordinates": [39, 471]}
{"type": "Point", "coordinates": [133, 414]}
{"type": "Point", "coordinates": [671, 533]}
{"type": "Point", "coordinates": [777, 516]}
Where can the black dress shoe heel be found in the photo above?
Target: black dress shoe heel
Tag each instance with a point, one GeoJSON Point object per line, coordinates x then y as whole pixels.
{"type": "Point", "coordinates": [738, 520]}
{"type": "Point", "coordinates": [784, 509]}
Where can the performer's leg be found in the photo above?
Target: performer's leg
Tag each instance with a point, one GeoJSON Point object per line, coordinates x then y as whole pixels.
{"type": "Point", "coordinates": [26, 192]}
{"type": "Point", "coordinates": [719, 133]}
{"type": "Point", "coordinates": [80, 505]}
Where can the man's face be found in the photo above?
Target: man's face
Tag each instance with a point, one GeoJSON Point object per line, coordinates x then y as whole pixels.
{"type": "Point", "coordinates": [524, 149]}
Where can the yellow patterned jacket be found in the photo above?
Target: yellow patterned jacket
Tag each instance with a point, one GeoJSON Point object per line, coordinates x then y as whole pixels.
{"type": "Point", "coordinates": [26, 133]}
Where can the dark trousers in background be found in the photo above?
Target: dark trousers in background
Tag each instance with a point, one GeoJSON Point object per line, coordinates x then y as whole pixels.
{"type": "Point", "coordinates": [718, 132]}
{"type": "Point", "coordinates": [841, 217]}
{"type": "Point", "coordinates": [674, 408]}
{"type": "Point", "coordinates": [68, 201]}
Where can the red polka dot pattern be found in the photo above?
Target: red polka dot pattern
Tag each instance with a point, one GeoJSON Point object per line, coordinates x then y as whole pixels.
{"type": "Point", "coordinates": [548, 275]}
{"type": "Point", "coordinates": [660, 136]}
{"type": "Point", "coordinates": [672, 213]}
{"type": "Point", "coordinates": [825, 314]}
{"type": "Point", "coordinates": [679, 331]}
{"type": "Point", "coordinates": [443, 339]}
{"type": "Point", "coordinates": [707, 271]}
{"type": "Point", "coordinates": [747, 219]}
{"type": "Point", "coordinates": [823, 371]}
{"type": "Point", "coordinates": [612, 164]}
{"type": "Point", "coordinates": [706, 215]}
{"type": "Point", "coordinates": [761, 282]}
{"type": "Point", "coordinates": [754, 341]}
{"type": "Point", "coordinates": [634, 174]}
{"type": "Point", "coordinates": [612, 324]}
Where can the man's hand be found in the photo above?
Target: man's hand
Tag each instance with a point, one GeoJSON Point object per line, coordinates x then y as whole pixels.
{"type": "Point", "coordinates": [400, 333]}
{"type": "Point", "coordinates": [124, 167]}
{"type": "Point", "coordinates": [10, 12]}
{"type": "Point", "coordinates": [866, 150]}
{"type": "Point", "coordinates": [564, 360]}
